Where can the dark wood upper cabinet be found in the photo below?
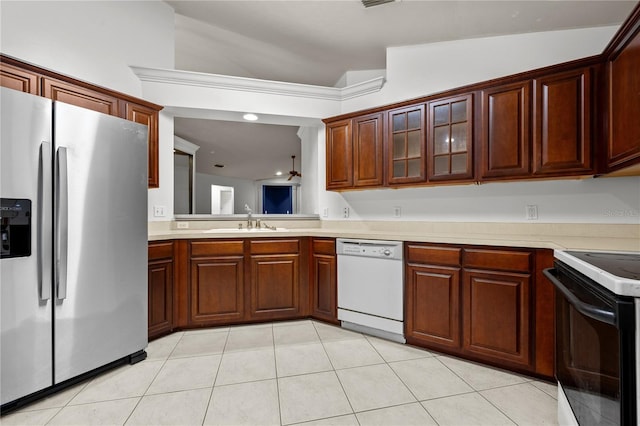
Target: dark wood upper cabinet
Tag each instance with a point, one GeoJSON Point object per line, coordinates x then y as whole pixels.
{"type": "Point", "coordinates": [149, 117]}
{"type": "Point", "coordinates": [450, 138]}
{"type": "Point", "coordinates": [367, 150]}
{"type": "Point", "coordinates": [79, 96]}
{"type": "Point", "coordinates": [578, 118]}
{"type": "Point", "coordinates": [623, 97]}
{"type": "Point", "coordinates": [562, 130]}
{"type": "Point", "coordinates": [405, 145]}
{"type": "Point", "coordinates": [28, 78]}
{"type": "Point", "coordinates": [339, 155]}
{"type": "Point", "coordinates": [506, 131]}
{"type": "Point", "coordinates": [20, 79]}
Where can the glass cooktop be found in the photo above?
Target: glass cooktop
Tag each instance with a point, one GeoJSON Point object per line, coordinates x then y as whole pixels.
{"type": "Point", "coordinates": [623, 265]}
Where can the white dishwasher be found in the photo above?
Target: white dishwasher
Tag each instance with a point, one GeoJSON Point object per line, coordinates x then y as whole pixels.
{"type": "Point", "coordinates": [370, 287]}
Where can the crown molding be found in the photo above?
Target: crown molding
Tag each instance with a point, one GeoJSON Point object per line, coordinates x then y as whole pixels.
{"type": "Point", "coordinates": [243, 84]}
{"type": "Point", "coordinates": [184, 145]}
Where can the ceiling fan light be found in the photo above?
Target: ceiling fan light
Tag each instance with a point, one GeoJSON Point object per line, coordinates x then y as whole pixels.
{"type": "Point", "coordinates": [370, 3]}
{"type": "Point", "coordinates": [250, 117]}
{"type": "Point", "coordinates": [278, 173]}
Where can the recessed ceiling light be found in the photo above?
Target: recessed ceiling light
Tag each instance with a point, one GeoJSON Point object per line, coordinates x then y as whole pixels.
{"type": "Point", "coordinates": [250, 117]}
{"type": "Point", "coordinates": [278, 173]}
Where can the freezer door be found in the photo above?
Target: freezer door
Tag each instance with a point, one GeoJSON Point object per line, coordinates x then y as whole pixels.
{"type": "Point", "coordinates": [25, 280]}
{"type": "Point", "coordinates": [101, 239]}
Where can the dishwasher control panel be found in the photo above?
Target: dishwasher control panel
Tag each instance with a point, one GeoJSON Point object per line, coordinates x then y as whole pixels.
{"type": "Point", "coordinates": [370, 248]}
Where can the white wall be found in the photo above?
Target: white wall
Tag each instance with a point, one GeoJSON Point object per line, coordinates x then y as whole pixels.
{"type": "Point", "coordinates": [592, 200]}
{"type": "Point", "coordinates": [414, 71]}
{"type": "Point", "coordinates": [309, 169]}
{"type": "Point", "coordinates": [95, 41]}
{"type": "Point", "coordinates": [244, 192]}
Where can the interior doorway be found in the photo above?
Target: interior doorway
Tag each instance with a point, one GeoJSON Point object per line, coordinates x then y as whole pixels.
{"type": "Point", "coordinates": [277, 199]}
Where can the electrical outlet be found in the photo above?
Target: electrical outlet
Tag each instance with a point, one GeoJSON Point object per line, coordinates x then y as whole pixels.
{"type": "Point", "coordinates": [345, 212]}
{"type": "Point", "coordinates": [397, 211]}
{"type": "Point", "coordinates": [532, 212]}
{"type": "Point", "coordinates": [325, 212]}
{"type": "Point", "coordinates": [158, 211]}
{"type": "Point", "coordinates": [182, 225]}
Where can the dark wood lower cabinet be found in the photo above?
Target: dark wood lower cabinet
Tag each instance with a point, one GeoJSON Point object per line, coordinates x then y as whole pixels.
{"type": "Point", "coordinates": [217, 290]}
{"type": "Point", "coordinates": [243, 280]}
{"type": "Point", "coordinates": [160, 288]}
{"type": "Point", "coordinates": [324, 288]}
{"type": "Point", "coordinates": [433, 305]}
{"type": "Point", "coordinates": [275, 286]}
{"type": "Point", "coordinates": [216, 282]}
{"type": "Point", "coordinates": [486, 304]}
{"type": "Point", "coordinates": [497, 316]}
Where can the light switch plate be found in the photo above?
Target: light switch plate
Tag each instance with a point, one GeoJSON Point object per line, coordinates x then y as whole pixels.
{"type": "Point", "coordinates": [397, 211]}
{"type": "Point", "coordinates": [158, 211]}
{"type": "Point", "coordinates": [345, 212]}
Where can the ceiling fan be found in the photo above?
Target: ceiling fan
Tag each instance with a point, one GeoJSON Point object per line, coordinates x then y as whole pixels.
{"type": "Point", "coordinates": [294, 172]}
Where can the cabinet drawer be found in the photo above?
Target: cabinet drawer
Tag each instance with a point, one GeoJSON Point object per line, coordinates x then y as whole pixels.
{"type": "Point", "coordinates": [275, 246]}
{"type": "Point", "coordinates": [217, 248]}
{"type": "Point", "coordinates": [161, 250]}
{"type": "Point", "coordinates": [502, 260]}
{"type": "Point", "coordinates": [433, 255]}
{"type": "Point", "coordinates": [324, 246]}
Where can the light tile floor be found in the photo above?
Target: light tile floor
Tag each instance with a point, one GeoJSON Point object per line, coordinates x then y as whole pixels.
{"type": "Point", "coordinates": [292, 373]}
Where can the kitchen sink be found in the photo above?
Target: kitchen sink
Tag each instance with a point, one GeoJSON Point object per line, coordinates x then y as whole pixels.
{"type": "Point", "coordinates": [245, 230]}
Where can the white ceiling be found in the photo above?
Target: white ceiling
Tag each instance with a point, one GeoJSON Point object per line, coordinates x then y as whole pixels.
{"type": "Point", "coordinates": [317, 41]}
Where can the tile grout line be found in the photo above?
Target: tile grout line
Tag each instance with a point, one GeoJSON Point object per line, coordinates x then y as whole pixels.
{"type": "Point", "coordinates": [213, 385]}
{"type": "Point", "coordinates": [478, 391]}
{"type": "Point", "coordinates": [506, 386]}
{"type": "Point", "coordinates": [336, 374]}
{"type": "Point", "coordinates": [275, 362]}
{"type": "Point", "coordinates": [164, 362]}
{"type": "Point", "coordinates": [417, 400]}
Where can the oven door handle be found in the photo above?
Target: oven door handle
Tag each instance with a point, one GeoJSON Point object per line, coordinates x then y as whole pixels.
{"type": "Point", "coordinates": [598, 314]}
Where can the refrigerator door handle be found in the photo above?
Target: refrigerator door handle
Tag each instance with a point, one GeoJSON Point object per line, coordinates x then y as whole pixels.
{"type": "Point", "coordinates": [62, 222]}
{"type": "Point", "coordinates": [45, 225]}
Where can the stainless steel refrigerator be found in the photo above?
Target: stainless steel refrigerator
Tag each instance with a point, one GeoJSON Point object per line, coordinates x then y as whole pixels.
{"type": "Point", "coordinates": [73, 235]}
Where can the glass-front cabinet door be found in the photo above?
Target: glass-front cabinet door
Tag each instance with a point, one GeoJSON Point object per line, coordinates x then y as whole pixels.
{"type": "Point", "coordinates": [449, 141]}
{"type": "Point", "coordinates": [405, 145]}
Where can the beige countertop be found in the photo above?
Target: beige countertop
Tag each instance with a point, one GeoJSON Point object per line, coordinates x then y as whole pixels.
{"type": "Point", "coordinates": [620, 237]}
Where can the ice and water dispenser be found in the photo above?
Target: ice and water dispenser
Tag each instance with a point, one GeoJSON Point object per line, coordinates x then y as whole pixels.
{"type": "Point", "coordinates": [15, 227]}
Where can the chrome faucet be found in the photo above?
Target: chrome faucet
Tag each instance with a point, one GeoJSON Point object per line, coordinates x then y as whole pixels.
{"type": "Point", "coordinates": [249, 212]}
